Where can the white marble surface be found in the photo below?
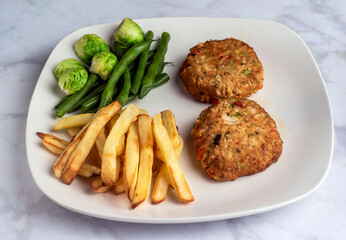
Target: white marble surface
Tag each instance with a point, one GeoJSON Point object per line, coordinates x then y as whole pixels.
{"type": "Point", "coordinates": [28, 32]}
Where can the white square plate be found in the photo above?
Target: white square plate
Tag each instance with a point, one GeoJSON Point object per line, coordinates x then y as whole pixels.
{"type": "Point", "coordinates": [294, 94]}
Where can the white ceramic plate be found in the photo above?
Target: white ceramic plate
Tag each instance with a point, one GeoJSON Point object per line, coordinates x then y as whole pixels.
{"type": "Point", "coordinates": [294, 94]}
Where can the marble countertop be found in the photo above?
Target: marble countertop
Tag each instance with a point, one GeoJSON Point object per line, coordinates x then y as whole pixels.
{"type": "Point", "coordinates": [30, 30]}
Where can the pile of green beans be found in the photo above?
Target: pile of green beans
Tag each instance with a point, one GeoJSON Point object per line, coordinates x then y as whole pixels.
{"type": "Point", "coordinates": [138, 70]}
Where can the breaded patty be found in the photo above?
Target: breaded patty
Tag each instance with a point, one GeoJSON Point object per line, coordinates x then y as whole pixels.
{"type": "Point", "coordinates": [234, 138]}
{"type": "Point", "coordinates": [219, 69]}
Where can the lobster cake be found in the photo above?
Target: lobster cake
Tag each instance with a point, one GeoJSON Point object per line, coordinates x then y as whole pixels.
{"type": "Point", "coordinates": [234, 138]}
{"type": "Point", "coordinates": [219, 69]}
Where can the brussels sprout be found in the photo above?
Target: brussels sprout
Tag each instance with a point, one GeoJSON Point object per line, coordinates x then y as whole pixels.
{"type": "Point", "coordinates": [103, 64]}
{"type": "Point", "coordinates": [88, 45]}
{"type": "Point", "coordinates": [65, 65]}
{"type": "Point", "coordinates": [128, 33]}
{"type": "Point", "coordinates": [72, 80]}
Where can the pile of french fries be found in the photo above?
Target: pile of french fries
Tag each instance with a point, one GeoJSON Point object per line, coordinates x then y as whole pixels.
{"type": "Point", "coordinates": [121, 150]}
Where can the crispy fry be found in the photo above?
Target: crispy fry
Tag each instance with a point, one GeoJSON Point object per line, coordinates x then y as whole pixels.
{"type": "Point", "coordinates": [156, 166]}
{"type": "Point", "coordinates": [53, 143]}
{"type": "Point", "coordinates": [61, 163]}
{"type": "Point", "coordinates": [111, 122]}
{"type": "Point", "coordinates": [100, 141]}
{"type": "Point", "coordinates": [158, 154]}
{"type": "Point", "coordinates": [108, 169]}
{"type": "Point", "coordinates": [117, 168]}
{"type": "Point", "coordinates": [161, 186]}
{"type": "Point", "coordinates": [143, 111]}
{"type": "Point", "coordinates": [82, 150]}
{"type": "Point", "coordinates": [54, 139]}
{"type": "Point", "coordinates": [121, 146]}
{"type": "Point", "coordinates": [73, 131]}
{"type": "Point", "coordinates": [163, 142]}
{"type": "Point", "coordinates": [57, 145]}
{"type": "Point", "coordinates": [146, 158]}
{"type": "Point", "coordinates": [168, 121]}
{"type": "Point", "coordinates": [73, 121]}
{"type": "Point", "coordinates": [94, 157]}
{"type": "Point", "coordinates": [53, 147]}
{"type": "Point", "coordinates": [163, 179]}
{"type": "Point", "coordinates": [119, 186]}
{"type": "Point", "coordinates": [130, 169]}
{"type": "Point", "coordinates": [98, 186]}
{"type": "Point", "coordinates": [89, 171]}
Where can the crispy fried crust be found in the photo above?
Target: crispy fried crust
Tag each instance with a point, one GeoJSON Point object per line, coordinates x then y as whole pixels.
{"type": "Point", "coordinates": [236, 138]}
{"type": "Point", "coordinates": [219, 69]}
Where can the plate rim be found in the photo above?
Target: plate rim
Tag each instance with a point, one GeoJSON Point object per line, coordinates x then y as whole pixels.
{"type": "Point", "coordinates": [206, 218]}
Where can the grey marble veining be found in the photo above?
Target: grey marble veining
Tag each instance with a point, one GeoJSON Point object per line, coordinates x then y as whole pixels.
{"type": "Point", "coordinates": [30, 29]}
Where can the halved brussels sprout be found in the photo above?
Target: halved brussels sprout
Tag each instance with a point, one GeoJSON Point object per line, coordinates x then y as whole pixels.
{"type": "Point", "coordinates": [103, 64]}
{"type": "Point", "coordinates": [65, 65]}
{"type": "Point", "coordinates": [88, 45]}
{"type": "Point", "coordinates": [72, 80]}
{"type": "Point", "coordinates": [128, 33]}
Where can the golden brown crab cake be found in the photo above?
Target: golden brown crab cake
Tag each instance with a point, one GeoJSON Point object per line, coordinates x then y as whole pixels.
{"type": "Point", "coordinates": [219, 69]}
{"type": "Point", "coordinates": [234, 138]}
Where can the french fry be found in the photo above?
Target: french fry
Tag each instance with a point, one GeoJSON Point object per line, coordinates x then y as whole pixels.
{"type": "Point", "coordinates": [100, 141]}
{"type": "Point", "coordinates": [146, 158]}
{"type": "Point", "coordinates": [143, 111]}
{"type": "Point", "coordinates": [98, 186]}
{"type": "Point", "coordinates": [61, 163]}
{"type": "Point", "coordinates": [73, 131]}
{"type": "Point", "coordinates": [56, 144]}
{"type": "Point", "coordinates": [53, 137]}
{"type": "Point", "coordinates": [117, 168]}
{"type": "Point", "coordinates": [165, 145]}
{"type": "Point", "coordinates": [53, 147]}
{"type": "Point", "coordinates": [156, 166]}
{"type": "Point", "coordinates": [163, 179]}
{"type": "Point", "coordinates": [130, 169]}
{"type": "Point", "coordinates": [121, 146]}
{"type": "Point", "coordinates": [94, 157]}
{"type": "Point", "coordinates": [81, 152]}
{"type": "Point", "coordinates": [111, 122]}
{"type": "Point", "coordinates": [158, 154]}
{"type": "Point", "coordinates": [53, 143]}
{"type": "Point", "coordinates": [89, 171]}
{"type": "Point", "coordinates": [73, 121]}
{"type": "Point", "coordinates": [108, 169]}
{"type": "Point", "coordinates": [161, 186]}
{"type": "Point", "coordinates": [119, 186]}
{"type": "Point", "coordinates": [168, 121]}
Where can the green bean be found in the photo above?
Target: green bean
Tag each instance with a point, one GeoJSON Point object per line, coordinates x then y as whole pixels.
{"type": "Point", "coordinates": [142, 64]}
{"type": "Point", "coordinates": [68, 96]}
{"type": "Point", "coordinates": [93, 110]}
{"type": "Point", "coordinates": [161, 67]}
{"type": "Point", "coordinates": [92, 102]}
{"type": "Point", "coordinates": [153, 70]}
{"type": "Point", "coordinates": [61, 101]}
{"type": "Point", "coordinates": [124, 94]}
{"type": "Point", "coordinates": [119, 69]}
{"type": "Point", "coordinates": [92, 93]}
{"type": "Point", "coordinates": [132, 66]}
{"type": "Point", "coordinates": [126, 79]}
{"type": "Point", "coordinates": [161, 79]}
{"type": "Point", "coordinates": [67, 105]}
